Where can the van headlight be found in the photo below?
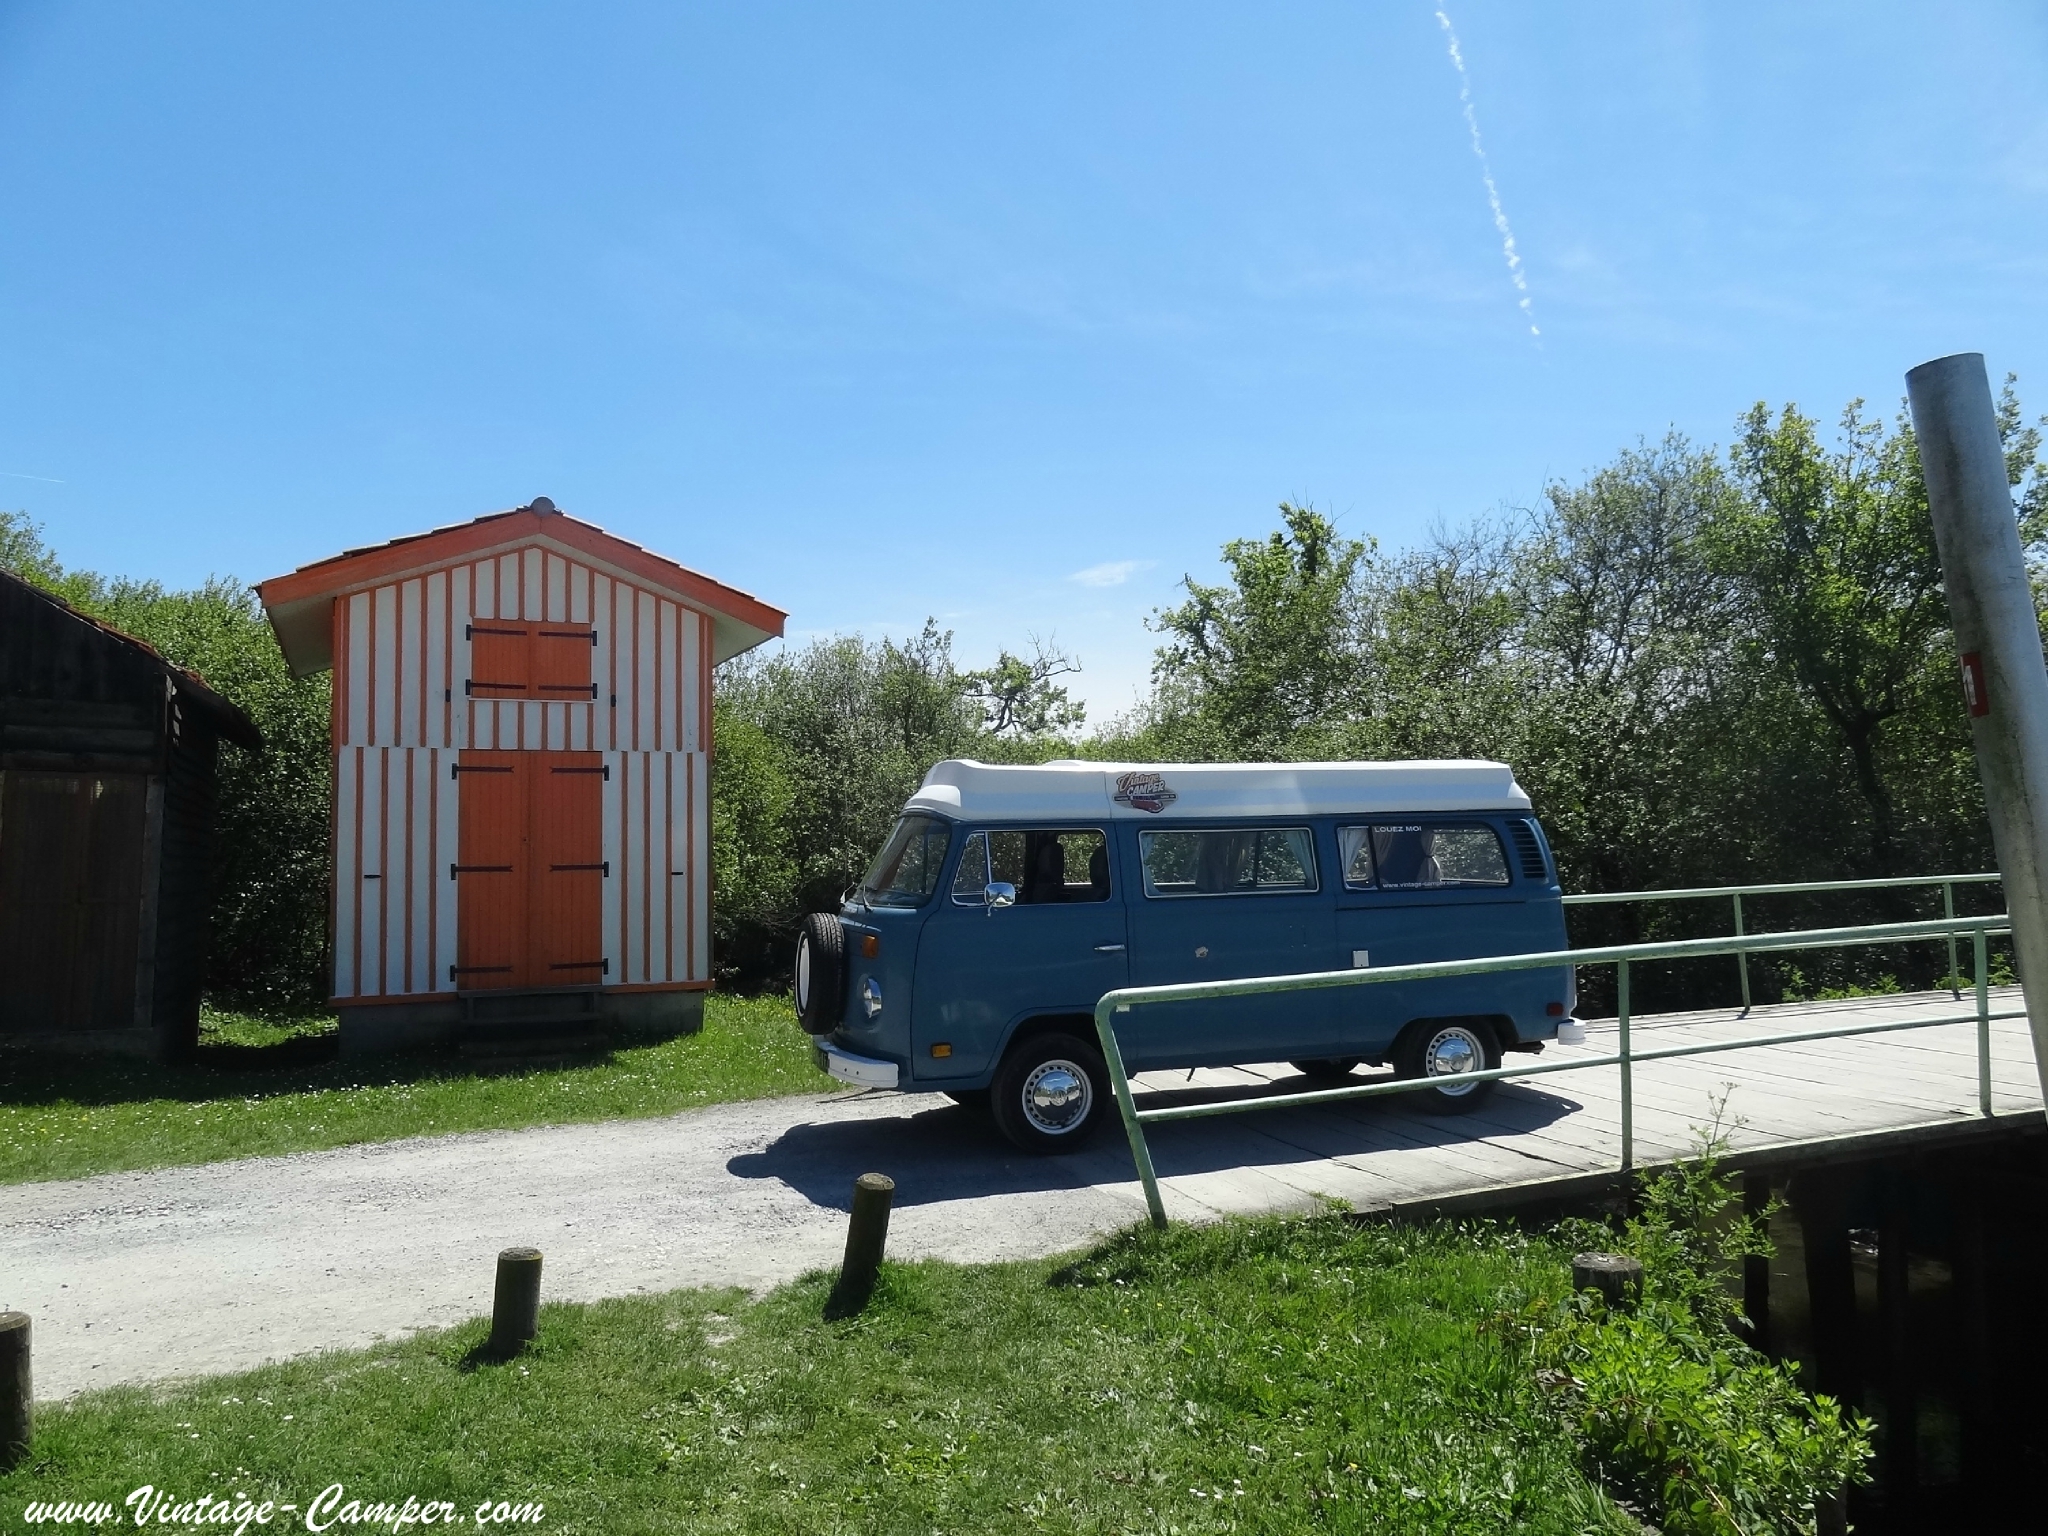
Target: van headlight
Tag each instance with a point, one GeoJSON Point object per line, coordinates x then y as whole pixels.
{"type": "Point", "coordinates": [871, 996]}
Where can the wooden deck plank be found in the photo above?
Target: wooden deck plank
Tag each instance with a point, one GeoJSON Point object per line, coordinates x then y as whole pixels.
{"type": "Point", "coordinates": [1565, 1127]}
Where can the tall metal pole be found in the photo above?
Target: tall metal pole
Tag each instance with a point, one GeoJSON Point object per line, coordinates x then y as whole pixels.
{"type": "Point", "coordinates": [1998, 638]}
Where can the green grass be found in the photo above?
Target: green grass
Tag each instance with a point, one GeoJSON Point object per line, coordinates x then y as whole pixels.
{"type": "Point", "coordinates": [63, 1119]}
{"type": "Point", "coordinates": [248, 1031]}
{"type": "Point", "coordinates": [1271, 1376]}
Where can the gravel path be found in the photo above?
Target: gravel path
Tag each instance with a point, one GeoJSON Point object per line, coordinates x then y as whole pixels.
{"type": "Point", "coordinates": [169, 1272]}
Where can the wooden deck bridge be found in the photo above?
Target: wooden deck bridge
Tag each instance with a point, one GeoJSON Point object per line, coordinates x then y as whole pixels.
{"type": "Point", "coordinates": [1551, 1137]}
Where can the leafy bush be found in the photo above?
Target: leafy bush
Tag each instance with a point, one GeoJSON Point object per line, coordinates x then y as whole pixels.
{"type": "Point", "coordinates": [1675, 1414]}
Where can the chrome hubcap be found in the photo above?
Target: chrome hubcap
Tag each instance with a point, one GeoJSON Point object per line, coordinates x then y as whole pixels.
{"type": "Point", "coordinates": [1451, 1052]}
{"type": "Point", "coordinates": [803, 973]}
{"type": "Point", "coordinates": [1056, 1097]}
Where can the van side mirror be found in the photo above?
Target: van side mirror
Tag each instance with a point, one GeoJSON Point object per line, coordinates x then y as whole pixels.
{"type": "Point", "coordinates": [999, 893]}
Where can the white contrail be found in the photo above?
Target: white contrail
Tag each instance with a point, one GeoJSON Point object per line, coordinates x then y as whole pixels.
{"type": "Point", "coordinates": [1500, 217]}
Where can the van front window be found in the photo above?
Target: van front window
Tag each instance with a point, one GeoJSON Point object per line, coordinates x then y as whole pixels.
{"type": "Point", "coordinates": [1050, 864]}
{"type": "Point", "coordinates": [906, 871]}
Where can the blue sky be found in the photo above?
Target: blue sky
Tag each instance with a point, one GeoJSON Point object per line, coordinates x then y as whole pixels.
{"type": "Point", "coordinates": [881, 311]}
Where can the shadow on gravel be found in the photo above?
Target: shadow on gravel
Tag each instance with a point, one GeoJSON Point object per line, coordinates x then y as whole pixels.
{"type": "Point", "coordinates": [949, 1153]}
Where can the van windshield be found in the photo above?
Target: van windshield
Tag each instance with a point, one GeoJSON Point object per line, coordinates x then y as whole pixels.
{"type": "Point", "coordinates": [906, 871]}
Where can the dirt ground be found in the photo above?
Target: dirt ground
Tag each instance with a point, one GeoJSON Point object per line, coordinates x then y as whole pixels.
{"type": "Point", "coordinates": [137, 1276]}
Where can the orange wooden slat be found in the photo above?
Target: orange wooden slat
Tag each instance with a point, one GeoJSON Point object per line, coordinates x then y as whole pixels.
{"type": "Point", "coordinates": [491, 869]}
{"type": "Point", "coordinates": [561, 661]}
{"type": "Point", "coordinates": [500, 659]}
{"type": "Point", "coordinates": [567, 890]}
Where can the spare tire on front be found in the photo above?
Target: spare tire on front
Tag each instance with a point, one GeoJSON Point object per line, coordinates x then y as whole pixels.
{"type": "Point", "coordinates": [820, 973]}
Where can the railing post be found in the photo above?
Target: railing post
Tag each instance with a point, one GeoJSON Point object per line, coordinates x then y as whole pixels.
{"type": "Point", "coordinates": [1983, 1022]}
{"type": "Point", "coordinates": [1741, 955]}
{"type": "Point", "coordinates": [1948, 910]}
{"type": "Point", "coordinates": [1120, 1080]}
{"type": "Point", "coordinates": [1628, 1118]}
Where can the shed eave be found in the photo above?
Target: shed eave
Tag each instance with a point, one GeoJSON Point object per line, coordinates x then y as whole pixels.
{"type": "Point", "coordinates": [300, 605]}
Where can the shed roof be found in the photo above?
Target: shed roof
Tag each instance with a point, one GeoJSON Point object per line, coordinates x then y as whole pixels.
{"type": "Point", "coordinates": [300, 604]}
{"type": "Point", "coordinates": [1176, 791]}
{"type": "Point", "coordinates": [222, 714]}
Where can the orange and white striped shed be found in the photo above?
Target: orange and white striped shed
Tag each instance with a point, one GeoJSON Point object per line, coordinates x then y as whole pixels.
{"type": "Point", "coordinates": [521, 731]}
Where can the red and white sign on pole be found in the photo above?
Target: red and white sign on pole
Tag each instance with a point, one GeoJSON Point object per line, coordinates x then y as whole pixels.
{"type": "Point", "coordinates": [1974, 695]}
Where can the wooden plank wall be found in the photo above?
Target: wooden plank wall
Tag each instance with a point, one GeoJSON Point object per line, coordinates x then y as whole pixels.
{"type": "Point", "coordinates": [401, 716]}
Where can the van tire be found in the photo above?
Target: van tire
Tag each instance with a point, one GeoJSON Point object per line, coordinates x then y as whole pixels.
{"type": "Point", "coordinates": [819, 979]}
{"type": "Point", "coordinates": [1428, 1047]}
{"type": "Point", "coordinates": [1037, 1120]}
{"type": "Point", "coordinates": [1328, 1071]}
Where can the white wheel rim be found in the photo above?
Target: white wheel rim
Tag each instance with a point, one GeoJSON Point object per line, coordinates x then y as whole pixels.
{"type": "Point", "coordinates": [803, 973]}
{"type": "Point", "coordinates": [1057, 1097]}
{"type": "Point", "coordinates": [1451, 1053]}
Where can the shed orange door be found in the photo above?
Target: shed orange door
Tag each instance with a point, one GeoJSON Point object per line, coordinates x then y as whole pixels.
{"type": "Point", "coordinates": [490, 870]}
{"type": "Point", "coordinates": [530, 871]}
{"type": "Point", "coordinates": [568, 876]}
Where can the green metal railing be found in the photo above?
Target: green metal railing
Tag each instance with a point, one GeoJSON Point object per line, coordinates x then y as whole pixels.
{"type": "Point", "coordinates": [1622, 956]}
{"type": "Point", "coordinates": [1735, 893]}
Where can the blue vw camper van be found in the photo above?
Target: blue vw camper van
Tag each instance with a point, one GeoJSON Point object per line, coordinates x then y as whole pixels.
{"type": "Point", "coordinates": [1008, 900]}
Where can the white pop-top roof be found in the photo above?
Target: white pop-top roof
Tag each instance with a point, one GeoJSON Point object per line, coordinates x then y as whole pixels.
{"type": "Point", "coordinates": [1177, 791]}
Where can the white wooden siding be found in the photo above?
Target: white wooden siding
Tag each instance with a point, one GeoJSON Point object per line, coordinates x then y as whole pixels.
{"type": "Point", "coordinates": [402, 714]}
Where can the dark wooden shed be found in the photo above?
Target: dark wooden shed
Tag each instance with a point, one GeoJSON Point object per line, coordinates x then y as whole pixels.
{"type": "Point", "coordinates": [107, 770]}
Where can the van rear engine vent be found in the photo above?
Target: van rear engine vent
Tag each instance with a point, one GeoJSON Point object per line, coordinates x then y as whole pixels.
{"type": "Point", "coordinates": [1528, 850]}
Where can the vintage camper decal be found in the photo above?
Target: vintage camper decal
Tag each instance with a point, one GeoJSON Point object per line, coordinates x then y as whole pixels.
{"type": "Point", "coordinates": [1143, 792]}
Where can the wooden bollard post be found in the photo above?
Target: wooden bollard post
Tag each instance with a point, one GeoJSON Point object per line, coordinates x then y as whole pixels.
{"type": "Point", "coordinates": [17, 1396]}
{"type": "Point", "coordinates": [866, 1236]}
{"type": "Point", "coordinates": [1618, 1279]}
{"type": "Point", "coordinates": [515, 1308]}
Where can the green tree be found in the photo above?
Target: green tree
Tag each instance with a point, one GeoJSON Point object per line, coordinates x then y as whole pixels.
{"type": "Point", "coordinates": [816, 749]}
{"type": "Point", "coordinates": [1832, 550]}
{"type": "Point", "coordinates": [1834, 554]}
{"type": "Point", "coordinates": [1261, 665]}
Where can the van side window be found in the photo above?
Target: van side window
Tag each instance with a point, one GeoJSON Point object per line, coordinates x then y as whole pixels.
{"type": "Point", "coordinates": [1046, 866]}
{"type": "Point", "coordinates": [1422, 858]}
{"type": "Point", "coordinates": [1255, 861]}
{"type": "Point", "coordinates": [1354, 847]}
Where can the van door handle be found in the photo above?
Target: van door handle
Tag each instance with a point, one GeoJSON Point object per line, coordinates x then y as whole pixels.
{"type": "Point", "coordinates": [1109, 949]}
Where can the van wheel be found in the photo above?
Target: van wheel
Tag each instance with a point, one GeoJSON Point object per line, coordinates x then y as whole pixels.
{"type": "Point", "coordinates": [1049, 1094]}
{"type": "Point", "coordinates": [1327, 1071]}
{"type": "Point", "coordinates": [1443, 1049]}
{"type": "Point", "coordinates": [820, 979]}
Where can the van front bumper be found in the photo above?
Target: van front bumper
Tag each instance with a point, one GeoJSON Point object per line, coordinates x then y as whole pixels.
{"type": "Point", "coordinates": [859, 1071]}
